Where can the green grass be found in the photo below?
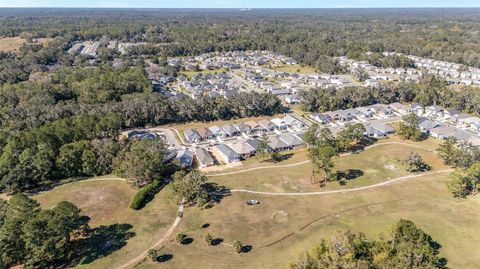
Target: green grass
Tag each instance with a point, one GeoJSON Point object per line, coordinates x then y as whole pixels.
{"type": "Point", "coordinates": [280, 228]}
{"type": "Point", "coordinates": [377, 164]}
{"type": "Point", "coordinates": [106, 202]}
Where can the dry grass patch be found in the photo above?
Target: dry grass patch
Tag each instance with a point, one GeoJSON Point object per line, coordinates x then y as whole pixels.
{"type": "Point", "coordinates": [14, 43]}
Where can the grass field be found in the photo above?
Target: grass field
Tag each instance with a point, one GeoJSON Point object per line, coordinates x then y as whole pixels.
{"type": "Point", "coordinates": [279, 228]}
{"type": "Point", "coordinates": [106, 202]}
{"type": "Point", "coordinates": [295, 68]}
{"type": "Point", "coordinates": [379, 163]}
{"type": "Point", "coordinates": [14, 43]}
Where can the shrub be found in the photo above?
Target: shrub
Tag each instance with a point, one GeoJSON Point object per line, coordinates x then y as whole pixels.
{"type": "Point", "coordinates": [238, 246]}
{"type": "Point", "coordinates": [145, 195]}
{"type": "Point", "coordinates": [208, 239]}
{"type": "Point", "coordinates": [152, 254]}
{"type": "Point", "coordinates": [180, 237]}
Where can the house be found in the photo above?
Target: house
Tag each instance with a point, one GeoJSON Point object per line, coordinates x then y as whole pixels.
{"type": "Point", "coordinates": [291, 140]}
{"type": "Point", "coordinates": [450, 113]}
{"type": "Point", "coordinates": [204, 158]}
{"type": "Point", "coordinates": [192, 136]}
{"type": "Point", "coordinates": [293, 99]}
{"type": "Point", "coordinates": [230, 130]}
{"type": "Point", "coordinates": [417, 109]}
{"type": "Point", "coordinates": [254, 143]}
{"type": "Point", "coordinates": [434, 111]}
{"type": "Point", "coordinates": [443, 132]}
{"type": "Point", "coordinates": [342, 115]}
{"type": "Point", "coordinates": [378, 129]}
{"type": "Point", "coordinates": [204, 133]}
{"type": "Point", "coordinates": [243, 149]}
{"type": "Point", "coordinates": [266, 125]}
{"type": "Point", "coordinates": [276, 144]}
{"type": "Point", "coordinates": [427, 125]}
{"type": "Point", "coordinates": [400, 108]}
{"type": "Point", "coordinates": [227, 154]}
{"type": "Point", "coordinates": [294, 121]}
{"type": "Point", "coordinates": [254, 126]}
{"type": "Point", "coordinates": [364, 112]}
{"type": "Point", "coordinates": [280, 123]}
{"type": "Point", "coordinates": [382, 110]}
{"type": "Point", "coordinates": [321, 118]}
{"type": "Point", "coordinates": [184, 157]}
{"type": "Point", "coordinates": [217, 131]}
{"type": "Point", "coordinates": [243, 128]}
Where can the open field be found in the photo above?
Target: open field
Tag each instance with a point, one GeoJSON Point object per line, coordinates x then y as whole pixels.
{"type": "Point", "coordinates": [106, 202]}
{"type": "Point", "coordinates": [295, 68]}
{"type": "Point", "coordinates": [279, 228]}
{"type": "Point", "coordinates": [14, 43]}
{"type": "Point", "coordinates": [379, 163]}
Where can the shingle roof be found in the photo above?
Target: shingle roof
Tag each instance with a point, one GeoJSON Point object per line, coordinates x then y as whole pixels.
{"type": "Point", "coordinates": [227, 151]}
{"type": "Point", "coordinates": [275, 143]}
{"type": "Point", "coordinates": [203, 156]}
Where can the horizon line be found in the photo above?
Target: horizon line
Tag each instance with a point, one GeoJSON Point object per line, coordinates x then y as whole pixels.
{"type": "Point", "coordinates": [252, 8]}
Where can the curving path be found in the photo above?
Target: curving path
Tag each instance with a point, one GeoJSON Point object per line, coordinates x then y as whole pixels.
{"type": "Point", "coordinates": [133, 262]}
{"type": "Point", "coordinates": [381, 184]}
{"type": "Point", "coordinates": [307, 161]}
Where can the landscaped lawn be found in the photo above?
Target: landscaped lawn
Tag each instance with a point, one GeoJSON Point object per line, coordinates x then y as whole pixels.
{"type": "Point", "coordinates": [377, 164]}
{"type": "Point", "coordinates": [106, 202]}
{"type": "Point", "coordinates": [281, 227]}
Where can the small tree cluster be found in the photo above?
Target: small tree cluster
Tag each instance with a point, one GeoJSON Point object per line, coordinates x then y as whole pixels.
{"type": "Point", "coordinates": [208, 239]}
{"type": "Point", "coordinates": [464, 182]}
{"type": "Point", "coordinates": [459, 154]}
{"type": "Point", "coordinates": [189, 187]}
{"type": "Point", "coordinates": [409, 129]}
{"type": "Point", "coordinates": [415, 163]}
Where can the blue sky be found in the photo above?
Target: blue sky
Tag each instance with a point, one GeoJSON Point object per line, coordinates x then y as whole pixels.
{"type": "Point", "coordinates": [239, 3]}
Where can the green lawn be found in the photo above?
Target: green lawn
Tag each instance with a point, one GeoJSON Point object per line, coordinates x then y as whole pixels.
{"type": "Point", "coordinates": [377, 164]}
{"type": "Point", "coordinates": [106, 202]}
{"type": "Point", "coordinates": [279, 228]}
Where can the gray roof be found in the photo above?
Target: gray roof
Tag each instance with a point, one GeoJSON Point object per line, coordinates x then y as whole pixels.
{"type": "Point", "coordinates": [428, 125]}
{"type": "Point", "coordinates": [275, 143]}
{"type": "Point", "coordinates": [291, 140]}
{"type": "Point", "coordinates": [382, 127]}
{"type": "Point", "coordinates": [227, 151]}
{"type": "Point", "coordinates": [191, 135]}
{"type": "Point", "coordinates": [242, 148]}
{"type": "Point", "coordinates": [254, 143]}
{"type": "Point", "coordinates": [185, 157]}
{"type": "Point", "coordinates": [204, 157]}
{"type": "Point", "coordinates": [216, 130]}
{"type": "Point", "coordinates": [230, 129]}
{"type": "Point", "coordinates": [242, 127]}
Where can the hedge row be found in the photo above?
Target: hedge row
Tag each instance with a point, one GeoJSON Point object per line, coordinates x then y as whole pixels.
{"type": "Point", "coordinates": [145, 195]}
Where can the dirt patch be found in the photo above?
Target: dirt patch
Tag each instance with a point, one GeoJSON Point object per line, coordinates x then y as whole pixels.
{"type": "Point", "coordinates": [280, 216]}
{"type": "Point", "coordinates": [390, 166]}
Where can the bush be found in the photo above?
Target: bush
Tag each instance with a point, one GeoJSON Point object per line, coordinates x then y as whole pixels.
{"type": "Point", "coordinates": [152, 254]}
{"type": "Point", "coordinates": [145, 195]}
{"type": "Point", "coordinates": [208, 239]}
{"type": "Point", "coordinates": [180, 237]}
{"type": "Point", "coordinates": [238, 246]}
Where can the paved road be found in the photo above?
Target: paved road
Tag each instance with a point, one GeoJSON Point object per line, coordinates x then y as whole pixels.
{"type": "Point", "coordinates": [381, 184]}
{"type": "Point", "coordinates": [307, 161]}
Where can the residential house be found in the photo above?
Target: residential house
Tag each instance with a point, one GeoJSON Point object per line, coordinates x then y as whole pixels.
{"type": "Point", "coordinates": [254, 126]}
{"type": "Point", "coordinates": [217, 131]}
{"type": "Point", "coordinates": [243, 127]}
{"type": "Point", "coordinates": [184, 157]}
{"type": "Point", "coordinates": [294, 121]}
{"type": "Point", "coordinates": [400, 108]}
{"type": "Point", "coordinates": [254, 143]}
{"type": "Point", "coordinates": [417, 109]}
{"type": "Point", "coordinates": [266, 125]}
{"type": "Point", "coordinates": [204, 158]}
{"type": "Point", "coordinates": [443, 132]}
{"type": "Point", "coordinates": [342, 115]}
{"type": "Point", "coordinates": [243, 149]}
{"type": "Point", "coordinates": [291, 140]}
{"type": "Point", "coordinates": [227, 154]}
{"type": "Point", "coordinates": [364, 112]}
{"type": "Point", "coordinates": [321, 118]}
{"type": "Point", "coordinates": [434, 111]}
{"type": "Point", "coordinates": [230, 130]}
{"type": "Point", "coordinates": [378, 129]}
{"type": "Point", "coordinates": [427, 125]}
{"type": "Point", "coordinates": [280, 123]}
{"type": "Point", "coordinates": [276, 144]}
{"type": "Point", "coordinates": [204, 133]}
{"type": "Point", "coordinates": [450, 113]}
{"type": "Point", "coordinates": [192, 136]}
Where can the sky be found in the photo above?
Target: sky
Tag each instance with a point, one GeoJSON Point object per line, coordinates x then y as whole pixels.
{"type": "Point", "coordinates": [239, 3]}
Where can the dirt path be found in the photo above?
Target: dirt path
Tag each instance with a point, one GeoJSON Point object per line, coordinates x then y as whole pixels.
{"type": "Point", "coordinates": [307, 161]}
{"type": "Point", "coordinates": [381, 184]}
{"type": "Point", "coordinates": [133, 262]}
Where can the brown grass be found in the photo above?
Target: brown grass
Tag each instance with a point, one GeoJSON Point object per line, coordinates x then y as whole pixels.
{"type": "Point", "coordinates": [14, 43]}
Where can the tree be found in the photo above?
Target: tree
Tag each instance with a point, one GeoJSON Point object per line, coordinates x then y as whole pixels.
{"type": "Point", "coordinates": [350, 136]}
{"type": "Point", "coordinates": [275, 156]}
{"type": "Point", "coordinates": [237, 246]}
{"type": "Point", "coordinates": [322, 158]}
{"type": "Point", "coordinates": [318, 136]}
{"type": "Point", "coordinates": [142, 161]}
{"type": "Point", "coordinates": [415, 163]}
{"type": "Point", "coordinates": [263, 146]}
{"type": "Point", "coordinates": [464, 182]}
{"type": "Point", "coordinates": [189, 187]}
{"type": "Point", "coordinates": [448, 150]}
{"type": "Point", "coordinates": [409, 129]}
{"type": "Point", "coordinates": [208, 239]}
{"type": "Point", "coordinates": [153, 254]}
{"type": "Point", "coordinates": [180, 237]}
{"type": "Point", "coordinates": [406, 247]}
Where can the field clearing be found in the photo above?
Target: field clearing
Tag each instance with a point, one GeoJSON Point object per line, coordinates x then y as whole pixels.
{"type": "Point", "coordinates": [379, 163]}
{"type": "Point", "coordinates": [295, 68]}
{"type": "Point", "coordinates": [14, 43]}
{"type": "Point", "coordinates": [280, 228]}
{"type": "Point", "coordinates": [106, 202]}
